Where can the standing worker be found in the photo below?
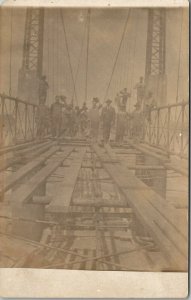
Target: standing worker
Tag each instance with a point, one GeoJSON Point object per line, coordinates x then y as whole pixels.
{"type": "Point", "coordinates": [121, 126]}
{"type": "Point", "coordinates": [108, 120]}
{"type": "Point", "coordinates": [83, 121]}
{"type": "Point", "coordinates": [56, 117]}
{"type": "Point", "coordinates": [94, 119]}
{"type": "Point", "coordinates": [124, 97]}
{"type": "Point", "coordinates": [76, 120]}
{"type": "Point", "coordinates": [43, 87]}
{"type": "Point", "coordinates": [64, 105]}
{"type": "Point", "coordinates": [42, 119]}
{"type": "Point", "coordinates": [137, 123]}
{"type": "Point", "coordinates": [149, 103]}
{"type": "Point", "coordinates": [140, 87]}
{"type": "Point", "coordinates": [84, 107]}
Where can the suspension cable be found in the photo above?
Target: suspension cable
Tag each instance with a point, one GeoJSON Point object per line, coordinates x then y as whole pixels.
{"type": "Point", "coordinates": [68, 54]}
{"type": "Point", "coordinates": [117, 54]}
{"type": "Point", "coordinates": [121, 67]}
{"type": "Point", "coordinates": [133, 60]}
{"type": "Point", "coordinates": [126, 59]}
{"type": "Point", "coordinates": [48, 48]}
{"type": "Point", "coordinates": [53, 62]}
{"type": "Point", "coordinates": [10, 59]}
{"type": "Point", "coordinates": [80, 55]}
{"type": "Point", "coordinates": [87, 51]}
{"type": "Point", "coordinates": [179, 58]}
{"type": "Point", "coordinates": [57, 52]}
{"type": "Point", "coordinates": [134, 51]}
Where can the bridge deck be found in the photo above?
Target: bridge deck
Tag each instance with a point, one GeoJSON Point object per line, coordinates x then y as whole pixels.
{"type": "Point", "coordinates": [100, 205]}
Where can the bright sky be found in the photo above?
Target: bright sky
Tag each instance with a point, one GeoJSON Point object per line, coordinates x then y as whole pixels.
{"type": "Point", "coordinates": [106, 27]}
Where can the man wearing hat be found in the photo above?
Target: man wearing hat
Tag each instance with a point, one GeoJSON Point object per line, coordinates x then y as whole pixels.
{"type": "Point", "coordinates": [94, 118]}
{"type": "Point", "coordinates": [43, 87]}
{"type": "Point", "coordinates": [122, 117]}
{"type": "Point", "coordinates": [108, 120]}
{"type": "Point", "coordinates": [140, 87]}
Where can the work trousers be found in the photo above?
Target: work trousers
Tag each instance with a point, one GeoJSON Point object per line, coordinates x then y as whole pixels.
{"type": "Point", "coordinates": [106, 132]}
{"type": "Point", "coordinates": [94, 131]}
{"type": "Point", "coordinates": [56, 126]}
{"type": "Point", "coordinates": [121, 127]}
{"type": "Point", "coordinates": [41, 129]}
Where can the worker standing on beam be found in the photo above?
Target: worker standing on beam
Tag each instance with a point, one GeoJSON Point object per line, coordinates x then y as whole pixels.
{"type": "Point", "coordinates": [140, 87]}
{"type": "Point", "coordinates": [43, 88]}
{"type": "Point", "coordinates": [56, 117]}
{"type": "Point", "coordinates": [121, 101]}
{"type": "Point", "coordinates": [108, 120]}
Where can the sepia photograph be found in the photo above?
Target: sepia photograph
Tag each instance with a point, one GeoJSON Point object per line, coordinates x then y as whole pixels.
{"type": "Point", "coordinates": [94, 138]}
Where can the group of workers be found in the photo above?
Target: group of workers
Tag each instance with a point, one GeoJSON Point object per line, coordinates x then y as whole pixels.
{"type": "Point", "coordinates": [65, 119]}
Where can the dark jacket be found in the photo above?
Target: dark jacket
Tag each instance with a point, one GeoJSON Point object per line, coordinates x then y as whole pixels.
{"type": "Point", "coordinates": [108, 115]}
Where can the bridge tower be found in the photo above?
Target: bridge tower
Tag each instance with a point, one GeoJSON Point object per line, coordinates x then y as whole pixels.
{"type": "Point", "coordinates": [155, 77]}
{"type": "Point", "coordinates": [31, 69]}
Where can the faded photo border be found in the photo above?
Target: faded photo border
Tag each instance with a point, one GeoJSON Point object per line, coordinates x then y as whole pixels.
{"type": "Point", "coordinates": [39, 283]}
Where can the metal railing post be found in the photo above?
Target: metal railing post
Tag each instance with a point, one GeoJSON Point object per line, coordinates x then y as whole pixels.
{"type": "Point", "coordinates": [168, 129]}
{"type": "Point", "coordinates": [33, 122]}
{"type": "Point", "coordinates": [2, 118]}
{"type": "Point", "coordinates": [150, 124]}
{"type": "Point", "coordinates": [25, 121]}
{"type": "Point", "coordinates": [182, 131]}
{"type": "Point", "coordinates": [158, 124]}
{"type": "Point", "coordinates": [16, 118]}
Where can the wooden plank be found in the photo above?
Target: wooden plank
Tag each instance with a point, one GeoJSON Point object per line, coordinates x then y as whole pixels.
{"type": "Point", "coordinates": [163, 231]}
{"type": "Point", "coordinates": [65, 188]}
{"type": "Point", "coordinates": [36, 147]}
{"type": "Point", "coordinates": [11, 180]}
{"type": "Point", "coordinates": [176, 168]}
{"type": "Point", "coordinates": [145, 167]}
{"type": "Point", "coordinates": [166, 209]}
{"type": "Point", "coordinates": [40, 151]}
{"type": "Point", "coordinates": [26, 190]}
{"type": "Point", "coordinates": [10, 159]}
{"type": "Point", "coordinates": [74, 144]}
{"type": "Point", "coordinates": [6, 160]}
{"type": "Point", "coordinates": [128, 152]}
{"type": "Point", "coordinates": [159, 203]}
{"type": "Point", "coordinates": [165, 161]}
{"type": "Point", "coordinates": [19, 146]}
{"type": "Point", "coordinates": [154, 148]}
{"type": "Point", "coordinates": [90, 211]}
{"type": "Point", "coordinates": [152, 153]}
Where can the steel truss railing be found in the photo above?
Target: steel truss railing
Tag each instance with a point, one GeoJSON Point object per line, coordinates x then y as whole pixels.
{"type": "Point", "coordinates": [168, 128]}
{"type": "Point", "coordinates": [17, 120]}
